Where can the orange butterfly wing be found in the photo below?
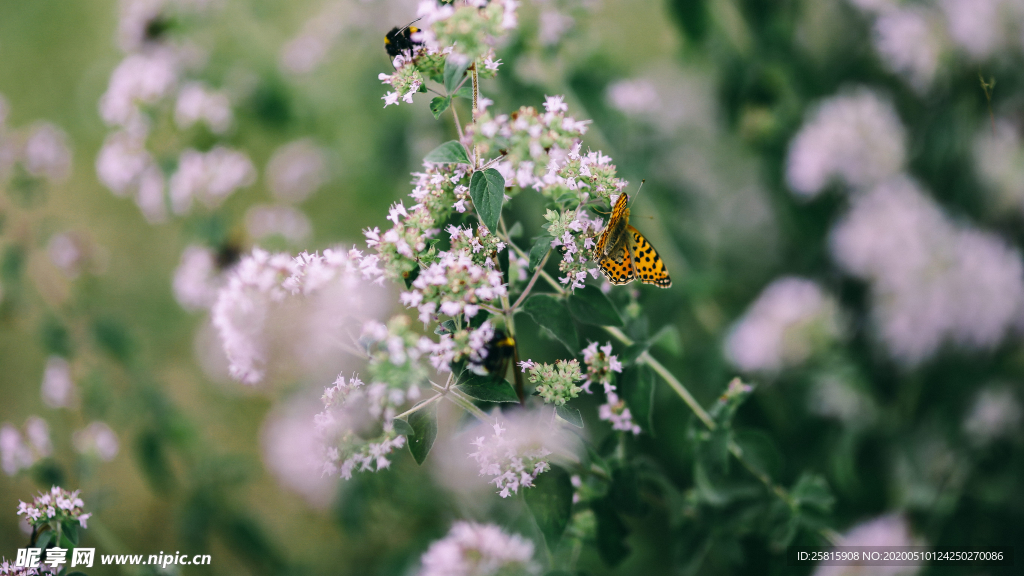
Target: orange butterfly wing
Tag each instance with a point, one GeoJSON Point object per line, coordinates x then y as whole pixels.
{"type": "Point", "coordinates": [648, 266]}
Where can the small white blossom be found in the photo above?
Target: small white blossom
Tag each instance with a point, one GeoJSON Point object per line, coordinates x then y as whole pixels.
{"type": "Point", "coordinates": [471, 549]}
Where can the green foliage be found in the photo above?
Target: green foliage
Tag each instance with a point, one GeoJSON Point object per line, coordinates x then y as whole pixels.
{"type": "Point", "coordinates": [423, 423]}
{"type": "Point", "coordinates": [487, 389]}
{"type": "Point", "coordinates": [636, 387]}
{"type": "Point", "coordinates": [570, 415]}
{"type": "Point", "coordinates": [550, 503]}
{"type": "Point", "coordinates": [588, 305]}
{"type": "Point", "coordinates": [487, 189]}
{"type": "Point", "coordinates": [451, 152]}
{"type": "Point", "coordinates": [551, 314]}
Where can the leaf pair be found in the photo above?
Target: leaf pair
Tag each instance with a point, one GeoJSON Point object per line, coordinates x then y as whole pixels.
{"type": "Point", "coordinates": [454, 69]}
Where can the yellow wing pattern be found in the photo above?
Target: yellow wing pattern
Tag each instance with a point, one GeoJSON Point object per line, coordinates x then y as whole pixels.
{"type": "Point", "coordinates": [620, 209]}
{"type": "Point", "coordinates": [618, 267]}
{"type": "Point", "coordinates": [647, 265]}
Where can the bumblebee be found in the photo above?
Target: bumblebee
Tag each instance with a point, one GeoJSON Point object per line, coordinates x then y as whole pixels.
{"type": "Point", "coordinates": [500, 351]}
{"type": "Point", "coordinates": [399, 40]}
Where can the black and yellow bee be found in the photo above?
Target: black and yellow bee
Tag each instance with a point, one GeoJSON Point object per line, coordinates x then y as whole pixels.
{"type": "Point", "coordinates": [500, 351]}
{"type": "Point", "coordinates": [399, 40]}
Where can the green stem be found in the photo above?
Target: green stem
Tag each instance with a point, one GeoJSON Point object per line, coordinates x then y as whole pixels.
{"type": "Point", "coordinates": [476, 111]}
{"type": "Point", "coordinates": [533, 280]}
{"type": "Point", "coordinates": [421, 405]}
{"type": "Point", "coordinates": [463, 402]}
{"type": "Point", "coordinates": [674, 383]}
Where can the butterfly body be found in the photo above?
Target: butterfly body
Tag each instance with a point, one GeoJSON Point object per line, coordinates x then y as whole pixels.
{"type": "Point", "coordinates": [625, 255]}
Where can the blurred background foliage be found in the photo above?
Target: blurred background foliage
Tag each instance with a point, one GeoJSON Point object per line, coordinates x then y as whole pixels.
{"type": "Point", "coordinates": [719, 90]}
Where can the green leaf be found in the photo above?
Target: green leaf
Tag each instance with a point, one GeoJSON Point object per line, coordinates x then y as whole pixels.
{"type": "Point", "coordinates": [44, 539]}
{"type": "Point", "coordinates": [611, 533]}
{"type": "Point", "coordinates": [550, 502]}
{"type": "Point", "coordinates": [424, 423]}
{"type": "Point", "coordinates": [497, 392]}
{"type": "Point", "coordinates": [446, 327]}
{"type": "Point", "coordinates": [404, 428]}
{"type": "Point", "coordinates": [487, 389]}
{"type": "Point", "coordinates": [540, 248]}
{"type": "Point", "coordinates": [439, 104]}
{"type": "Point", "coordinates": [552, 315]}
{"type": "Point", "coordinates": [631, 353]}
{"type": "Point", "coordinates": [516, 230]}
{"type": "Point", "coordinates": [454, 69]}
{"type": "Point", "coordinates": [466, 91]}
{"type": "Point", "coordinates": [812, 491]}
{"type": "Point", "coordinates": [76, 573]}
{"type": "Point", "coordinates": [570, 415]}
{"type": "Point", "coordinates": [669, 340]}
{"type": "Point", "coordinates": [487, 189]}
{"type": "Point", "coordinates": [637, 390]}
{"type": "Point", "coordinates": [624, 492]}
{"type": "Point", "coordinates": [70, 531]}
{"type": "Point", "coordinates": [451, 152]}
{"type": "Point", "coordinates": [591, 306]}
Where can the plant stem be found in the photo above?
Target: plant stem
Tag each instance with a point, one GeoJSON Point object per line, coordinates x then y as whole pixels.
{"type": "Point", "coordinates": [421, 405]}
{"type": "Point", "coordinates": [455, 397]}
{"type": "Point", "coordinates": [533, 280]}
{"type": "Point", "coordinates": [674, 383]}
{"type": "Point", "coordinates": [476, 111]}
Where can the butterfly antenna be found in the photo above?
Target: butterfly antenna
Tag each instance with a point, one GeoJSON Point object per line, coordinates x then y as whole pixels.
{"type": "Point", "coordinates": [635, 196]}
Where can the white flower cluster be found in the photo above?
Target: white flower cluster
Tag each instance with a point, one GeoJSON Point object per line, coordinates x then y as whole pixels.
{"type": "Point", "coordinates": [399, 249]}
{"type": "Point", "coordinates": [472, 26]}
{"type": "Point", "coordinates": [912, 39]}
{"type": "Point", "coordinates": [556, 384]}
{"type": "Point", "coordinates": [296, 170]}
{"type": "Point", "coordinates": [471, 549]}
{"type": "Point", "coordinates": [996, 413]}
{"type": "Point", "coordinates": [198, 278]}
{"type": "Point", "coordinates": [466, 343]}
{"type": "Point", "coordinates": [147, 85]}
{"type": "Point", "coordinates": [855, 138]}
{"type": "Point", "coordinates": [56, 505]}
{"type": "Point", "coordinates": [277, 304]}
{"type": "Point", "coordinates": [10, 569]}
{"type": "Point", "coordinates": [791, 319]}
{"type": "Point", "coordinates": [58, 388]}
{"type": "Point", "coordinates": [457, 283]}
{"type": "Point", "coordinates": [889, 530]}
{"type": "Point", "coordinates": [396, 352]}
{"type": "Point", "coordinates": [96, 439]}
{"type": "Point", "coordinates": [519, 449]}
{"type": "Point", "coordinates": [999, 158]}
{"type": "Point", "coordinates": [601, 364]}
{"type": "Point", "coordinates": [351, 409]}
{"type": "Point", "coordinates": [15, 453]}
{"type": "Point", "coordinates": [209, 177]}
{"type": "Point", "coordinates": [574, 232]}
{"type": "Point", "coordinates": [40, 150]}
{"type": "Point", "coordinates": [931, 280]}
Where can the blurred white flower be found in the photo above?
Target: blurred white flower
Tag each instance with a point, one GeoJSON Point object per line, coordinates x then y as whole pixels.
{"type": "Point", "coordinates": [47, 153]}
{"type": "Point", "coordinates": [518, 447]}
{"type": "Point", "coordinates": [283, 313]}
{"type": "Point", "coordinates": [931, 280]}
{"type": "Point", "coordinates": [471, 549]}
{"type": "Point", "coordinates": [889, 530]}
{"type": "Point", "coordinates": [17, 453]}
{"type": "Point", "coordinates": [832, 396]}
{"type": "Point", "coordinates": [122, 161]}
{"type": "Point", "coordinates": [996, 413]}
{"type": "Point", "coordinates": [58, 388]}
{"type": "Point", "coordinates": [983, 27]}
{"type": "Point", "coordinates": [266, 220]}
{"type": "Point", "coordinates": [296, 170]}
{"type": "Point", "coordinates": [197, 103]}
{"type": "Point", "coordinates": [150, 197]}
{"type": "Point", "coordinates": [634, 97]}
{"type": "Point", "coordinates": [553, 25]}
{"type": "Point", "coordinates": [856, 138]}
{"type": "Point", "coordinates": [209, 177]}
{"type": "Point", "coordinates": [67, 252]}
{"type": "Point", "coordinates": [790, 319]}
{"type": "Point", "coordinates": [96, 439]}
{"type": "Point", "coordinates": [304, 53]}
{"type": "Point", "coordinates": [999, 157]}
{"type": "Point", "coordinates": [909, 40]}
{"type": "Point", "coordinates": [197, 279]}
{"type": "Point", "coordinates": [293, 452]}
{"type": "Point", "coordinates": [140, 79]}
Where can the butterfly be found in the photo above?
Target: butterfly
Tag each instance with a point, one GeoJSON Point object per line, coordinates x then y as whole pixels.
{"type": "Point", "coordinates": [399, 40]}
{"type": "Point", "coordinates": [625, 255]}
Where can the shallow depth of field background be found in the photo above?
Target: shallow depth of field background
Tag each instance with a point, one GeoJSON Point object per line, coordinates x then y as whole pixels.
{"type": "Point", "coordinates": [733, 82]}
